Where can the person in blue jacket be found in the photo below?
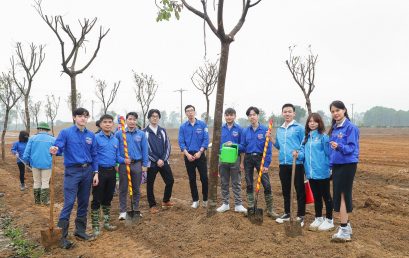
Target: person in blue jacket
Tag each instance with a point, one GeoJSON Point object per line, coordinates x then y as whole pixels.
{"type": "Point", "coordinates": [38, 155]}
{"type": "Point", "coordinates": [18, 150]}
{"type": "Point", "coordinates": [288, 139]}
{"type": "Point", "coordinates": [138, 160]}
{"type": "Point", "coordinates": [253, 140]}
{"type": "Point", "coordinates": [314, 153]}
{"type": "Point", "coordinates": [78, 145]}
{"type": "Point", "coordinates": [344, 157]}
{"type": "Point", "coordinates": [193, 141]}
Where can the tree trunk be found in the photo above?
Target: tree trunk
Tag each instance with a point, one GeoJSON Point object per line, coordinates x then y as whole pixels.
{"type": "Point", "coordinates": [52, 127]}
{"type": "Point", "coordinates": [308, 104]}
{"type": "Point", "coordinates": [27, 112]}
{"type": "Point", "coordinates": [207, 109]}
{"type": "Point", "coordinates": [73, 93]}
{"type": "Point", "coordinates": [3, 136]}
{"type": "Point", "coordinates": [218, 116]}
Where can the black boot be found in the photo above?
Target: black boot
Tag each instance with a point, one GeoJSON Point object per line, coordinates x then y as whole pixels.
{"type": "Point", "coordinates": [80, 227]}
{"type": "Point", "coordinates": [64, 242]}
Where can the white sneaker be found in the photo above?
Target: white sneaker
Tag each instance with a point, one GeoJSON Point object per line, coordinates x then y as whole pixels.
{"type": "Point", "coordinates": [301, 219]}
{"type": "Point", "coordinates": [349, 228]}
{"type": "Point", "coordinates": [122, 216]}
{"type": "Point", "coordinates": [326, 225]}
{"type": "Point", "coordinates": [204, 204]}
{"type": "Point", "coordinates": [223, 208]}
{"type": "Point", "coordinates": [195, 205]}
{"type": "Point", "coordinates": [285, 217]}
{"type": "Point", "coordinates": [342, 235]}
{"type": "Point", "coordinates": [316, 224]}
{"type": "Point", "coordinates": [240, 208]}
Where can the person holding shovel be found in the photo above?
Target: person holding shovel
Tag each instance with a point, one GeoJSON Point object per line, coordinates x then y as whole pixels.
{"type": "Point", "coordinates": [344, 157]}
{"type": "Point", "coordinates": [252, 140]}
{"type": "Point", "coordinates": [138, 161]}
{"type": "Point", "coordinates": [193, 141]}
{"type": "Point", "coordinates": [38, 155]}
{"type": "Point", "coordinates": [159, 153]}
{"type": "Point", "coordinates": [18, 149]}
{"type": "Point", "coordinates": [78, 145]}
{"type": "Point", "coordinates": [108, 156]}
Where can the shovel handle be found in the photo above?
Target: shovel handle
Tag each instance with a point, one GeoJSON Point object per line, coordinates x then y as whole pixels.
{"type": "Point", "coordinates": [292, 189]}
{"type": "Point", "coordinates": [260, 173]}
{"type": "Point", "coordinates": [52, 193]}
{"type": "Point", "coordinates": [128, 167]}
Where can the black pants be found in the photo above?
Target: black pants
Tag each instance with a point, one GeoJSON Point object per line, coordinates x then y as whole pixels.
{"type": "Point", "coordinates": [167, 176]}
{"type": "Point", "coordinates": [103, 193]}
{"type": "Point", "coordinates": [201, 165]}
{"type": "Point", "coordinates": [321, 190]}
{"type": "Point", "coordinates": [285, 178]}
{"type": "Point", "coordinates": [22, 169]}
{"type": "Point", "coordinates": [252, 162]}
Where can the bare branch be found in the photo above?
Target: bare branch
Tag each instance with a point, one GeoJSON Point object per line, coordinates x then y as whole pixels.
{"type": "Point", "coordinates": [203, 16]}
{"type": "Point", "coordinates": [101, 87]}
{"type": "Point", "coordinates": [145, 91]}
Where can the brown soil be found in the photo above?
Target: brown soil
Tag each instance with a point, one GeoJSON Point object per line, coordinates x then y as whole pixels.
{"type": "Point", "coordinates": [380, 217]}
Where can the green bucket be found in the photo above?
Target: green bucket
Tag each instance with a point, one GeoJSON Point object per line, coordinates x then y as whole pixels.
{"type": "Point", "coordinates": [229, 154]}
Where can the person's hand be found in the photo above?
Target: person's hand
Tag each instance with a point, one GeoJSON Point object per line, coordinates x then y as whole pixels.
{"type": "Point", "coordinates": [53, 150]}
{"type": "Point", "coordinates": [334, 145]}
{"type": "Point", "coordinates": [229, 143]}
{"type": "Point", "coordinates": [160, 163]}
{"type": "Point", "coordinates": [241, 166]}
{"type": "Point", "coordinates": [144, 169]}
{"type": "Point", "coordinates": [95, 181]}
{"type": "Point", "coordinates": [190, 157]}
{"type": "Point", "coordinates": [295, 154]}
{"type": "Point", "coordinates": [273, 140]}
{"type": "Point", "coordinates": [268, 134]}
{"type": "Point", "coordinates": [198, 154]}
{"type": "Point", "coordinates": [17, 155]}
{"type": "Point", "coordinates": [127, 161]}
{"type": "Point", "coordinates": [265, 170]}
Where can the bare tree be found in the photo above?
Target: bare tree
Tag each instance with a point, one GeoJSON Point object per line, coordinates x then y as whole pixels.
{"type": "Point", "coordinates": [101, 88]}
{"type": "Point", "coordinates": [30, 65]}
{"type": "Point", "coordinates": [51, 109]}
{"type": "Point", "coordinates": [69, 62]}
{"type": "Point", "coordinates": [145, 92]}
{"type": "Point", "coordinates": [35, 109]}
{"type": "Point", "coordinates": [303, 72]}
{"type": "Point", "coordinates": [80, 103]}
{"type": "Point", "coordinates": [9, 95]}
{"type": "Point", "coordinates": [205, 79]}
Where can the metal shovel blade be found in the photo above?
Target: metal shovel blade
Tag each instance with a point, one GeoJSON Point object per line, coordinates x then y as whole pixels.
{"type": "Point", "coordinates": [293, 228]}
{"type": "Point", "coordinates": [50, 237]}
{"type": "Point", "coordinates": [132, 216]}
{"type": "Point", "coordinates": [255, 215]}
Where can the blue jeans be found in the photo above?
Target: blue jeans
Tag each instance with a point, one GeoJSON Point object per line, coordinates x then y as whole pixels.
{"type": "Point", "coordinates": [77, 184]}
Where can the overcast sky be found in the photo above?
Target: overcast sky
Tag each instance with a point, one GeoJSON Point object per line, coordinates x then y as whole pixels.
{"type": "Point", "coordinates": [363, 49]}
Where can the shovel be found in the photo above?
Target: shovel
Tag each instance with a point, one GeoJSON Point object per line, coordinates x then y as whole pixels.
{"type": "Point", "coordinates": [293, 227]}
{"type": "Point", "coordinates": [255, 214]}
{"type": "Point", "coordinates": [52, 235]}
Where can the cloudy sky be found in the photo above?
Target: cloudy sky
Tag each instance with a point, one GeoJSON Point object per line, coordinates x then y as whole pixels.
{"type": "Point", "coordinates": [363, 49]}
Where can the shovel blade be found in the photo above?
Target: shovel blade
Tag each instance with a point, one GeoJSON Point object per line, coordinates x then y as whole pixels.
{"type": "Point", "coordinates": [50, 237]}
{"type": "Point", "coordinates": [255, 215]}
{"type": "Point", "coordinates": [132, 216]}
{"type": "Point", "coordinates": [293, 228]}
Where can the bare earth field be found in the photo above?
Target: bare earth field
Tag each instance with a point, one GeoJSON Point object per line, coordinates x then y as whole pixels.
{"type": "Point", "coordinates": [380, 218]}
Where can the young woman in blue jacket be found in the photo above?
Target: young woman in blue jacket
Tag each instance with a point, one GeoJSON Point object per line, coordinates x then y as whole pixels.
{"type": "Point", "coordinates": [18, 150]}
{"type": "Point", "coordinates": [344, 154]}
{"type": "Point", "coordinates": [315, 154]}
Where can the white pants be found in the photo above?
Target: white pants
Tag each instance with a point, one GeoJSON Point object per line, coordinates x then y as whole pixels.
{"type": "Point", "coordinates": [41, 178]}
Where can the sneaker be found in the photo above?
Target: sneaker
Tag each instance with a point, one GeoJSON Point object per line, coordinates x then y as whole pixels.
{"type": "Point", "coordinates": [22, 187]}
{"type": "Point", "coordinates": [167, 204]}
{"type": "Point", "coordinates": [342, 235]}
{"type": "Point", "coordinates": [204, 204]}
{"type": "Point", "coordinates": [349, 228]}
{"type": "Point", "coordinates": [240, 208]}
{"type": "Point", "coordinates": [122, 216]}
{"type": "Point", "coordinates": [316, 224]}
{"type": "Point", "coordinates": [223, 208]}
{"type": "Point", "coordinates": [195, 205]}
{"type": "Point", "coordinates": [326, 225]}
{"type": "Point", "coordinates": [301, 218]}
{"type": "Point", "coordinates": [285, 217]}
{"type": "Point", "coordinates": [153, 210]}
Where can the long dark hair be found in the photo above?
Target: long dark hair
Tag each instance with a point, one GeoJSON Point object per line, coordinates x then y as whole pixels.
{"type": "Point", "coordinates": [23, 136]}
{"type": "Point", "coordinates": [321, 127]}
{"type": "Point", "coordinates": [338, 104]}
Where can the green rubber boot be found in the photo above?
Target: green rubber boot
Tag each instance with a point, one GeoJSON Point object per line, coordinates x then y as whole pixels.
{"type": "Point", "coordinates": [95, 222]}
{"type": "Point", "coordinates": [45, 196]}
{"type": "Point", "coordinates": [37, 196]}
{"type": "Point", "coordinates": [107, 218]}
{"type": "Point", "coordinates": [269, 204]}
{"type": "Point", "coordinates": [250, 200]}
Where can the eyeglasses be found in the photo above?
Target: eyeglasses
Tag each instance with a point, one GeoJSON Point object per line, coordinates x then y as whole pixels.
{"type": "Point", "coordinates": [189, 110]}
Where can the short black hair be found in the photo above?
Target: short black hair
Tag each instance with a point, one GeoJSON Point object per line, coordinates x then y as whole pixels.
{"type": "Point", "coordinates": [97, 123]}
{"type": "Point", "coordinates": [256, 110]}
{"type": "Point", "coordinates": [288, 105]}
{"type": "Point", "coordinates": [23, 136]}
{"type": "Point", "coordinates": [190, 106]}
{"type": "Point", "coordinates": [230, 111]}
{"type": "Point", "coordinates": [150, 113]}
{"type": "Point", "coordinates": [134, 114]}
{"type": "Point", "coordinates": [105, 116]}
{"type": "Point", "coordinates": [80, 112]}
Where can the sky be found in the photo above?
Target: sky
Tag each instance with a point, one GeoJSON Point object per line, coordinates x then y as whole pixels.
{"type": "Point", "coordinates": [362, 47]}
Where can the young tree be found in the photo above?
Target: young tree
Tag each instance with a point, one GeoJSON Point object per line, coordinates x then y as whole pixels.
{"type": "Point", "coordinates": [35, 109]}
{"type": "Point", "coordinates": [69, 62]}
{"type": "Point", "coordinates": [101, 88]}
{"type": "Point", "coordinates": [51, 109]}
{"type": "Point", "coordinates": [205, 79]}
{"type": "Point", "coordinates": [303, 72]}
{"type": "Point", "coordinates": [31, 65]}
{"type": "Point", "coordinates": [69, 99]}
{"type": "Point", "coordinates": [9, 96]}
{"type": "Point", "coordinates": [145, 92]}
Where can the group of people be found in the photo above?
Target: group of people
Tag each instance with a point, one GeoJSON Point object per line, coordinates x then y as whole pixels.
{"type": "Point", "coordinates": [93, 160]}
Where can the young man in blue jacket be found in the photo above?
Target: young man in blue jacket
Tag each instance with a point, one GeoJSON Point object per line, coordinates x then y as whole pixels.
{"type": "Point", "coordinates": [159, 153]}
{"type": "Point", "coordinates": [138, 161]}
{"type": "Point", "coordinates": [288, 138]}
{"type": "Point", "coordinates": [193, 141]}
{"type": "Point", "coordinates": [18, 149]}
{"type": "Point", "coordinates": [38, 156]}
{"type": "Point", "coordinates": [78, 145]}
{"type": "Point", "coordinates": [253, 140]}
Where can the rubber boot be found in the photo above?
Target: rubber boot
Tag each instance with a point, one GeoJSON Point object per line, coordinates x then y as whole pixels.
{"type": "Point", "coordinates": [64, 242]}
{"type": "Point", "coordinates": [107, 218]}
{"type": "Point", "coordinates": [80, 227]}
{"type": "Point", "coordinates": [45, 196]}
{"type": "Point", "coordinates": [95, 222]}
{"type": "Point", "coordinates": [250, 200]}
{"type": "Point", "coordinates": [269, 204]}
{"type": "Point", "coordinates": [37, 195]}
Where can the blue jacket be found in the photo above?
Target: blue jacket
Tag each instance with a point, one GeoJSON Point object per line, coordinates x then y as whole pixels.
{"type": "Point", "coordinates": [19, 147]}
{"type": "Point", "coordinates": [315, 154]}
{"type": "Point", "coordinates": [37, 152]}
{"type": "Point", "coordinates": [137, 146]}
{"type": "Point", "coordinates": [253, 142]}
{"type": "Point", "coordinates": [78, 147]}
{"type": "Point", "coordinates": [347, 137]}
{"type": "Point", "coordinates": [159, 144]}
{"type": "Point", "coordinates": [192, 138]}
{"type": "Point", "coordinates": [107, 150]}
{"type": "Point", "coordinates": [233, 135]}
{"type": "Point", "coordinates": [287, 140]}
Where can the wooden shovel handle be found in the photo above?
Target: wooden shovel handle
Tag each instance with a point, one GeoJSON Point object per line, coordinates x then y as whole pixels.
{"type": "Point", "coordinates": [52, 193]}
{"type": "Point", "coordinates": [292, 189]}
